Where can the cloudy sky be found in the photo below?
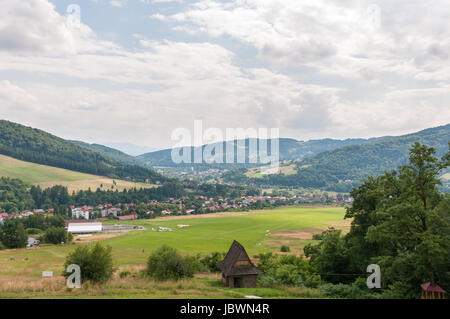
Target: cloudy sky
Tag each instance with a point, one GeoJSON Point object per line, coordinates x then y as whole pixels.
{"type": "Point", "coordinates": [131, 71]}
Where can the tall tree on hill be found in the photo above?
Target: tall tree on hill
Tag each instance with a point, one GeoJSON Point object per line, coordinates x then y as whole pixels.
{"type": "Point", "coordinates": [410, 223]}
{"type": "Point", "coordinates": [400, 221]}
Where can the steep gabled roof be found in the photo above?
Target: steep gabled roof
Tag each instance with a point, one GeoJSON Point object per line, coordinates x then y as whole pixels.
{"type": "Point", "coordinates": [236, 253]}
{"type": "Point", "coordinates": [432, 288]}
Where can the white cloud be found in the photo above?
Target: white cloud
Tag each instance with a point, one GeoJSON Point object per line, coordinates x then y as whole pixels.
{"type": "Point", "coordinates": [118, 3]}
{"type": "Point", "coordinates": [344, 38]}
{"type": "Point", "coordinates": [361, 81]}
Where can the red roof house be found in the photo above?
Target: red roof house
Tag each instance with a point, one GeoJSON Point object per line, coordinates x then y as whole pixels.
{"type": "Point", "coordinates": [430, 291]}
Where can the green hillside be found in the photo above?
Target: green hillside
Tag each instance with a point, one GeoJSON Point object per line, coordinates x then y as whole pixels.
{"type": "Point", "coordinates": [342, 168]}
{"type": "Point", "coordinates": [288, 149]}
{"type": "Point", "coordinates": [33, 145]}
{"type": "Point", "coordinates": [111, 153]}
{"type": "Point", "coordinates": [48, 176]}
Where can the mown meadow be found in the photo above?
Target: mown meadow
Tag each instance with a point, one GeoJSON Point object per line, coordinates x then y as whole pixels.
{"type": "Point", "coordinates": [21, 278]}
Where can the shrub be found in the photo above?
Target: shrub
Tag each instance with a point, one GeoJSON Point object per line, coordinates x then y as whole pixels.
{"type": "Point", "coordinates": [209, 262]}
{"type": "Point", "coordinates": [124, 273]}
{"type": "Point", "coordinates": [2, 246]}
{"type": "Point", "coordinates": [12, 234]}
{"type": "Point", "coordinates": [56, 235]}
{"type": "Point", "coordinates": [288, 270]}
{"type": "Point", "coordinates": [357, 290]}
{"type": "Point", "coordinates": [95, 262]}
{"type": "Point", "coordinates": [285, 249]}
{"type": "Point", "coordinates": [318, 236]}
{"type": "Point", "coordinates": [33, 231]}
{"type": "Point", "coordinates": [166, 263]}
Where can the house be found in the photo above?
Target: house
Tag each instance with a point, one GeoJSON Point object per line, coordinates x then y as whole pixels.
{"type": "Point", "coordinates": [73, 221]}
{"type": "Point", "coordinates": [432, 291]}
{"type": "Point", "coordinates": [26, 213]}
{"type": "Point", "coordinates": [80, 212]}
{"type": "Point", "coordinates": [238, 271]}
{"type": "Point", "coordinates": [84, 228]}
{"type": "Point", "coordinates": [132, 216]}
{"type": "Point", "coordinates": [3, 216]}
{"type": "Point", "coordinates": [112, 210]}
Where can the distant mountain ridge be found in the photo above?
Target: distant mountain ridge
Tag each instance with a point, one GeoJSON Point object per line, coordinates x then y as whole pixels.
{"type": "Point", "coordinates": [342, 168]}
{"type": "Point", "coordinates": [288, 149]}
{"type": "Point", "coordinates": [130, 149]}
{"type": "Point", "coordinates": [110, 152]}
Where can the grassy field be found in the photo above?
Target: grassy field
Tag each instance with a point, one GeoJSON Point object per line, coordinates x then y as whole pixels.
{"type": "Point", "coordinates": [255, 230]}
{"type": "Point", "coordinates": [48, 176]}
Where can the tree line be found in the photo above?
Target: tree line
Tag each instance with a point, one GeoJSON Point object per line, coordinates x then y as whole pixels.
{"type": "Point", "coordinates": [16, 196]}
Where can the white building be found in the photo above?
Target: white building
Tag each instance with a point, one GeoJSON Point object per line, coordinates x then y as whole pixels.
{"type": "Point", "coordinates": [113, 210]}
{"type": "Point", "coordinates": [80, 213]}
{"type": "Point", "coordinates": [84, 228]}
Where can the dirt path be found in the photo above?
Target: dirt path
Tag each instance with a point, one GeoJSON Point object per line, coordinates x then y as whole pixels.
{"type": "Point", "coordinates": [309, 232]}
{"type": "Point", "coordinates": [296, 234]}
{"type": "Point", "coordinates": [88, 239]}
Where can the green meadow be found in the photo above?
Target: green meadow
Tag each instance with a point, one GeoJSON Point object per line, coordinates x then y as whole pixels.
{"type": "Point", "coordinates": [204, 235]}
{"type": "Point", "coordinates": [22, 277]}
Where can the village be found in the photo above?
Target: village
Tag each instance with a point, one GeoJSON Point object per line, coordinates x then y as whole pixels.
{"type": "Point", "coordinates": [187, 205]}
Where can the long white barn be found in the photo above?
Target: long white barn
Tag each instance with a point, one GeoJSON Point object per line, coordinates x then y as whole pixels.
{"type": "Point", "coordinates": [84, 228]}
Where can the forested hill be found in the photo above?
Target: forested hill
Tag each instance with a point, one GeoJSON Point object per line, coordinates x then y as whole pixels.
{"type": "Point", "coordinates": [37, 146]}
{"type": "Point", "coordinates": [288, 149]}
{"type": "Point", "coordinates": [342, 168]}
{"type": "Point", "coordinates": [111, 153]}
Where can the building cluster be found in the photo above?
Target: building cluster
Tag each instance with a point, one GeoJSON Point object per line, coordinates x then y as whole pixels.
{"type": "Point", "coordinates": [221, 203]}
{"type": "Point", "coordinates": [26, 213]}
{"type": "Point", "coordinates": [184, 205]}
{"type": "Point", "coordinates": [86, 212]}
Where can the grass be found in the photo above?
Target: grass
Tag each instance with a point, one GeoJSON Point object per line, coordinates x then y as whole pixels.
{"type": "Point", "coordinates": [206, 235]}
{"type": "Point", "coordinates": [22, 278]}
{"type": "Point", "coordinates": [48, 176]}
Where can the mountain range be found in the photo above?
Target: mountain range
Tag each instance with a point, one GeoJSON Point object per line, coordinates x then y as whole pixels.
{"type": "Point", "coordinates": [342, 168]}
{"type": "Point", "coordinates": [329, 164]}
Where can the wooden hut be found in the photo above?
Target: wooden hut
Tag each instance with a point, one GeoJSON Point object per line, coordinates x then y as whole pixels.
{"type": "Point", "coordinates": [430, 291]}
{"type": "Point", "coordinates": [238, 271]}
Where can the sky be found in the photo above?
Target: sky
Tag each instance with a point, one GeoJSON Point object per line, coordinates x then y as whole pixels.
{"type": "Point", "coordinates": [133, 71]}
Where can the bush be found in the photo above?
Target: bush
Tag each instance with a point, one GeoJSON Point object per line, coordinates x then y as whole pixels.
{"type": "Point", "coordinates": [318, 236]}
{"type": "Point", "coordinates": [2, 246]}
{"type": "Point", "coordinates": [357, 290]}
{"type": "Point", "coordinates": [56, 235]}
{"type": "Point", "coordinates": [209, 262]}
{"type": "Point", "coordinates": [124, 273]}
{"type": "Point", "coordinates": [13, 235]}
{"type": "Point", "coordinates": [287, 270]}
{"type": "Point", "coordinates": [166, 263]}
{"type": "Point", "coordinates": [285, 249]}
{"type": "Point", "coordinates": [95, 262]}
{"type": "Point", "coordinates": [33, 231]}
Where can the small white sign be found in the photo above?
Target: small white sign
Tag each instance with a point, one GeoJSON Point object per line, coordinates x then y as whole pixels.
{"type": "Point", "coordinates": [47, 274]}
